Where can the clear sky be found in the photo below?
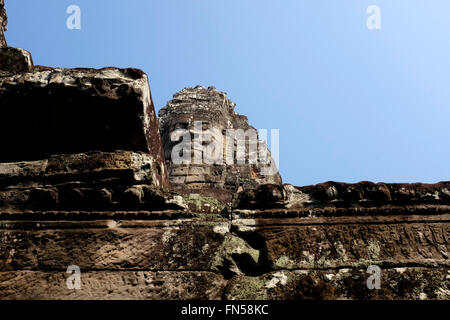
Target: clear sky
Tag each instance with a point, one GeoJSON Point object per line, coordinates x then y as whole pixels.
{"type": "Point", "coordinates": [351, 103]}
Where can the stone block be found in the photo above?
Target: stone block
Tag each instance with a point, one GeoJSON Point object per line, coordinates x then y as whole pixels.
{"type": "Point", "coordinates": [57, 111]}
{"type": "Point", "coordinates": [15, 60]}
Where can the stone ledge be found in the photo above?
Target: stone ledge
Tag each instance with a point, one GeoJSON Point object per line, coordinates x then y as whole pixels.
{"type": "Point", "coordinates": [342, 196]}
{"type": "Point", "coordinates": [350, 242]}
{"type": "Point", "coordinates": [410, 283]}
{"type": "Point", "coordinates": [15, 60]}
{"type": "Point", "coordinates": [49, 111]}
{"type": "Point", "coordinates": [3, 23]}
{"type": "Point", "coordinates": [380, 213]}
{"type": "Point", "coordinates": [92, 181]}
{"type": "Point", "coordinates": [112, 285]}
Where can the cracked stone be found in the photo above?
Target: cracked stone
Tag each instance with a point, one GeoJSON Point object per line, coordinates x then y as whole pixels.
{"type": "Point", "coordinates": [15, 60]}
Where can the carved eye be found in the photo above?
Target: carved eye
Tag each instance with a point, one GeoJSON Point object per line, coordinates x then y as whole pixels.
{"type": "Point", "coordinates": [205, 125]}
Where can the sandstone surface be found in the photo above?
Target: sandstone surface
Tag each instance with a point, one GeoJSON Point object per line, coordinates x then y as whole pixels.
{"type": "Point", "coordinates": [84, 184]}
{"type": "Point", "coordinates": [216, 115]}
{"type": "Point", "coordinates": [50, 111]}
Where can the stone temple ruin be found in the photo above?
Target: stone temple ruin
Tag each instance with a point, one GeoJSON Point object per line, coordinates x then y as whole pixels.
{"type": "Point", "coordinates": [86, 179]}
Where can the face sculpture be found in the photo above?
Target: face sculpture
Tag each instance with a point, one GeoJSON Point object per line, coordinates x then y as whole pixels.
{"type": "Point", "coordinates": [209, 147]}
{"type": "Point", "coordinates": [3, 22]}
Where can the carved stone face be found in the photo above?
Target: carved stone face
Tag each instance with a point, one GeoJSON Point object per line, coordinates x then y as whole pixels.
{"type": "Point", "coordinates": [202, 130]}
{"type": "Point", "coordinates": [206, 114]}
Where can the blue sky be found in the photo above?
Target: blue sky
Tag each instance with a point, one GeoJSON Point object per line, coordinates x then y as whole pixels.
{"type": "Point", "coordinates": [351, 103]}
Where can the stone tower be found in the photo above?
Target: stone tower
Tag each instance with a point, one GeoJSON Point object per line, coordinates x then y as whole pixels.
{"type": "Point", "coordinates": [199, 110]}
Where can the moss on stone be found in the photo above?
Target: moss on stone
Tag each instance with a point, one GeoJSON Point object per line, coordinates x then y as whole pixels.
{"type": "Point", "coordinates": [203, 204]}
{"type": "Point", "coordinates": [247, 288]}
{"type": "Point", "coordinates": [232, 249]}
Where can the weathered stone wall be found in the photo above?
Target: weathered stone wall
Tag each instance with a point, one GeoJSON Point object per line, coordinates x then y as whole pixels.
{"type": "Point", "coordinates": [337, 195]}
{"type": "Point", "coordinates": [120, 180]}
{"type": "Point", "coordinates": [269, 256]}
{"type": "Point", "coordinates": [52, 111]}
{"type": "Point", "coordinates": [216, 113]}
{"type": "Point", "coordinates": [83, 182]}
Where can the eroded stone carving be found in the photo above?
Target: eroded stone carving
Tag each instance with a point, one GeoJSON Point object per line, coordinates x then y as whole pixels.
{"type": "Point", "coordinates": [55, 111]}
{"type": "Point", "coordinates": [215, 113]}
{"type": "Point", "coordinates": [68, 194]}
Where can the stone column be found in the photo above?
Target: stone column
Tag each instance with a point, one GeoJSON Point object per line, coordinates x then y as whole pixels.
{"type": "Point", "coordinates": [3, 22]}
